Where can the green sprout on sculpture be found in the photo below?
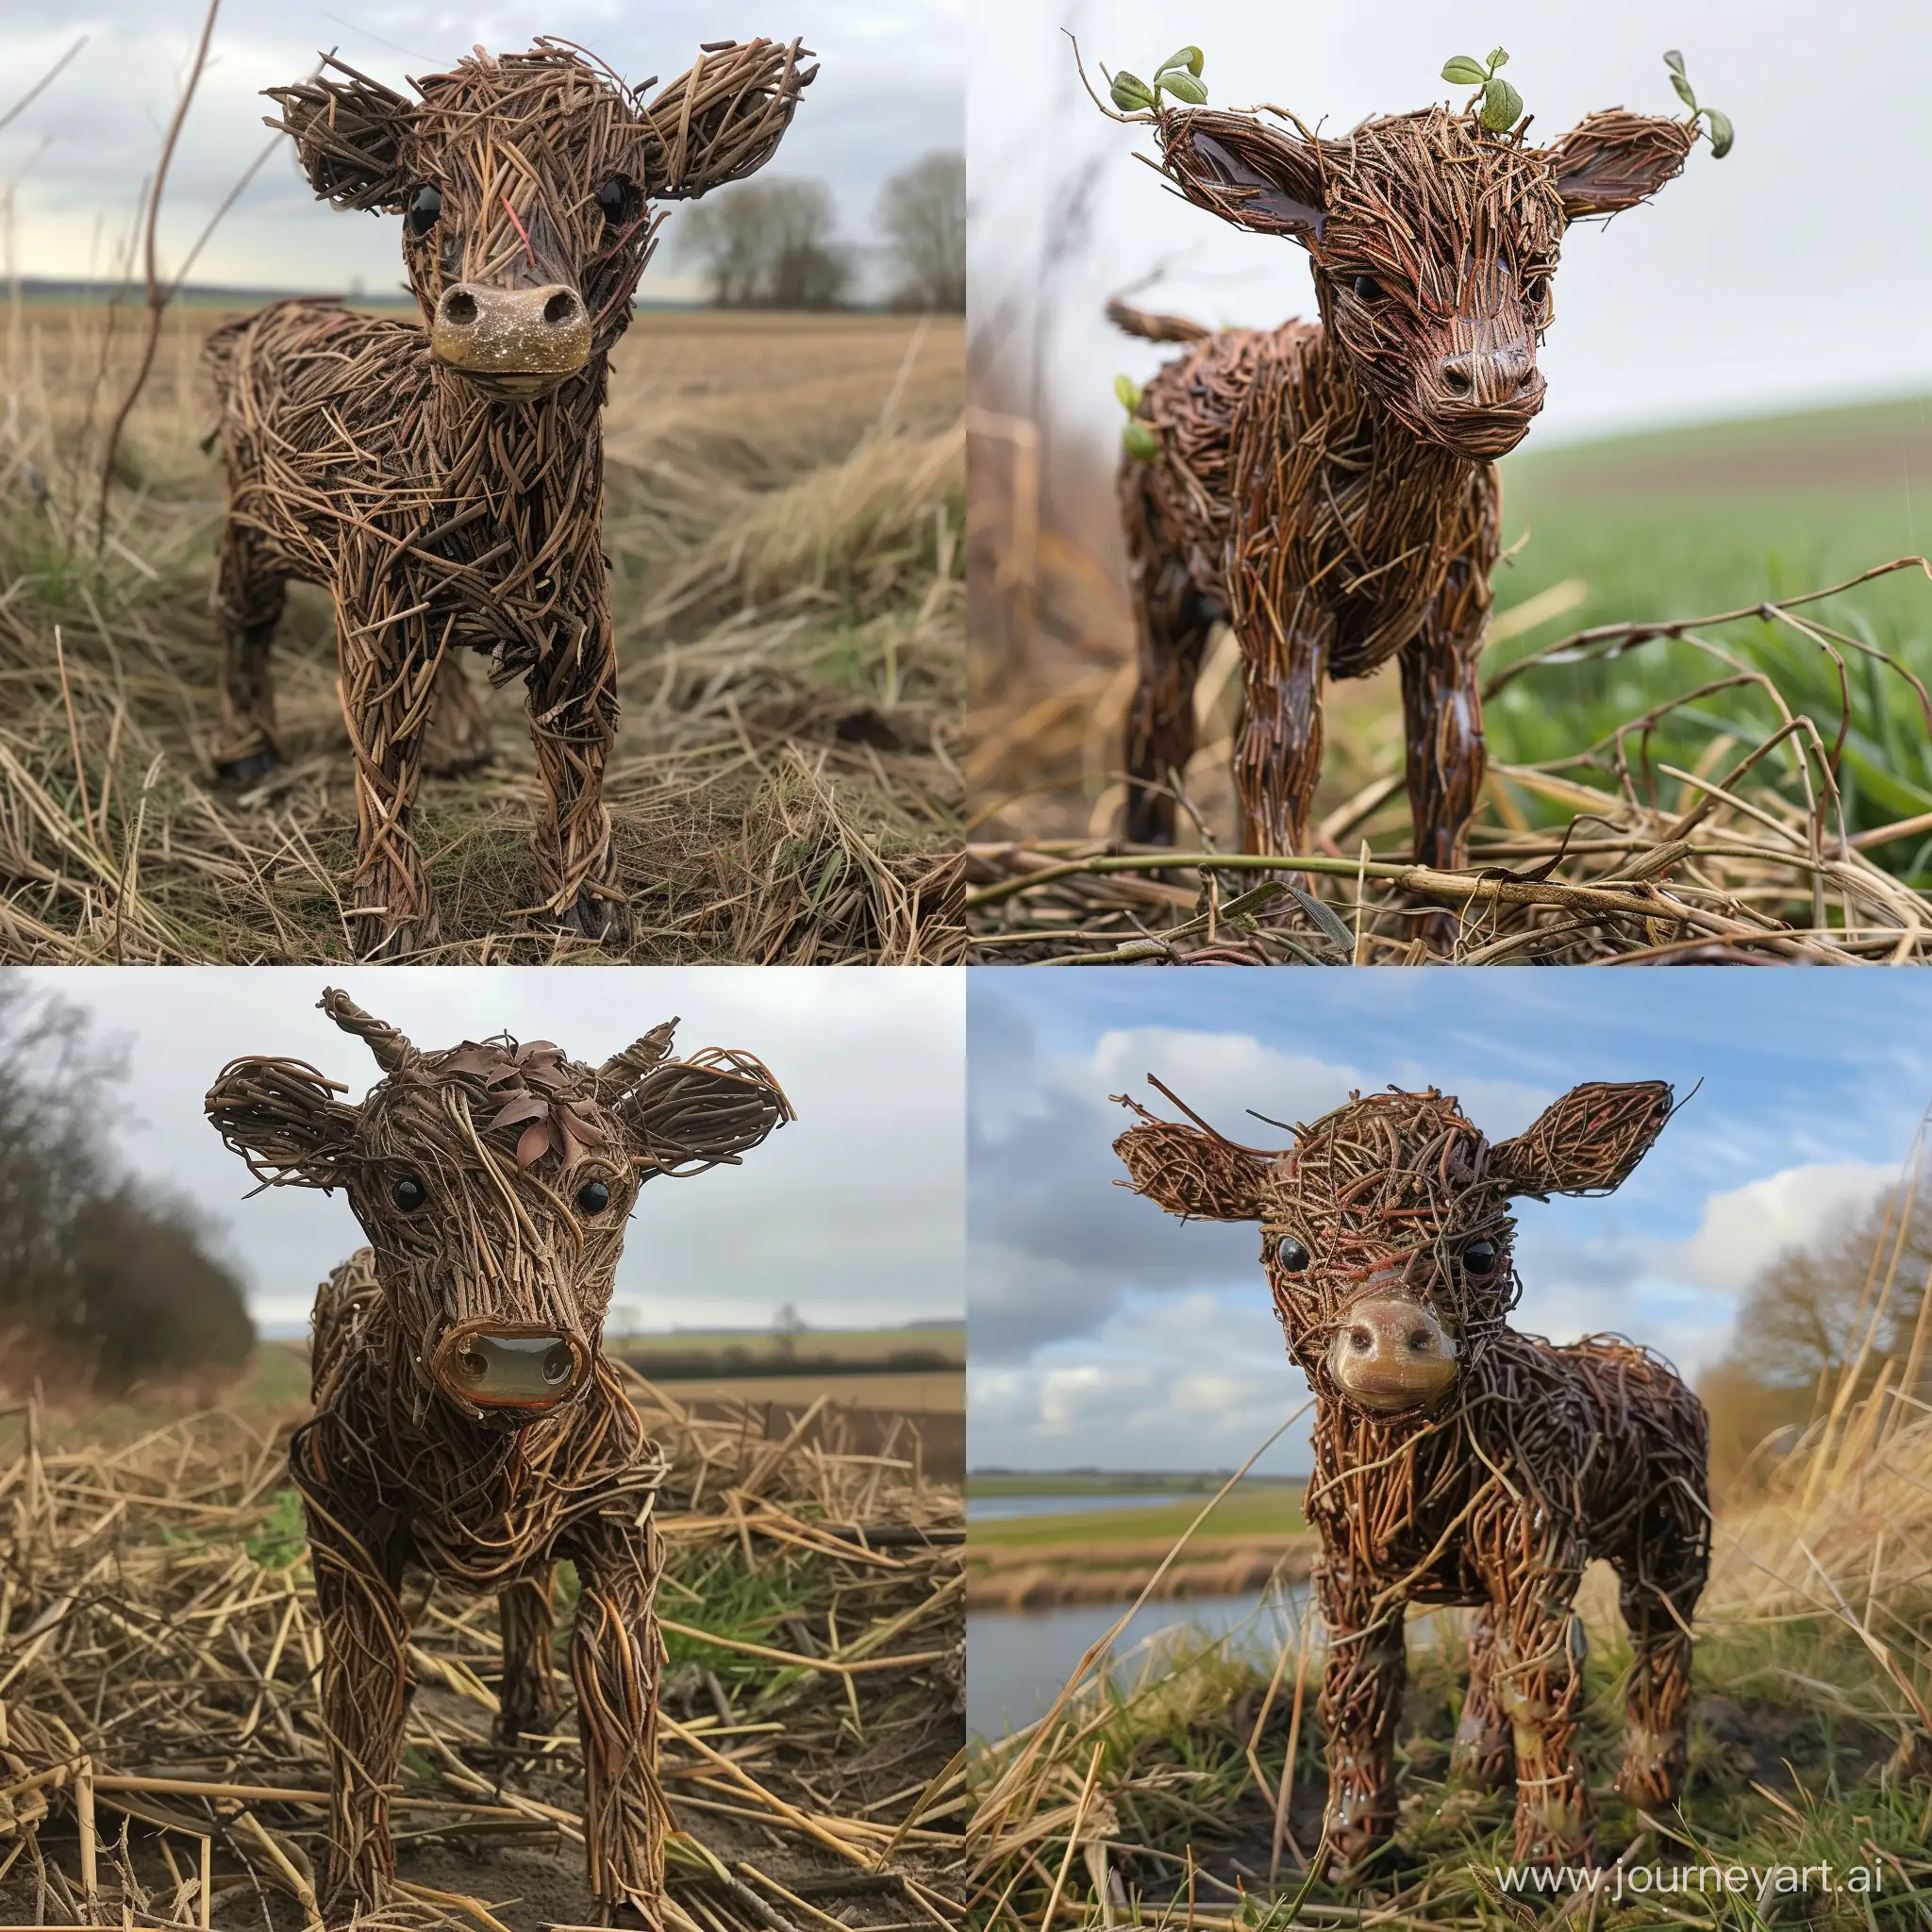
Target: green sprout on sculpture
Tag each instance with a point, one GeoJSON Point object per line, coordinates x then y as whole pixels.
{"type": "Point", "coordinates": [1502, 105]}
{"type": "Point", "coordinates": [1139, 439]}
{"type": "Point", "coordinates": [1721, 133]}
{"type": "Point", "coordinates": [1179, 74]}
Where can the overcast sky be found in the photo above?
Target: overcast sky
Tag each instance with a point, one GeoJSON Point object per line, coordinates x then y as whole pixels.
{"type": "Point", "coordinates": [1787, 273]}
{"type": "Point", "coordinates": [891, 89]}
{"type": "Point", "coordinates": [1104, 1332]}
{"type": "Point", "coordinates": [852, 1212]}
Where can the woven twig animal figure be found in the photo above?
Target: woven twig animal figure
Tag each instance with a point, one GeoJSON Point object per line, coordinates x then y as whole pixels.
{"type": "Point", "coordinates": [466, 1422]}
{"type": "Point", "coordinates": [1457, 1461]}
{"type": "Point", "coordinates": [1329, 489]}
{"type": "Point", "coordinates": [446, 482]}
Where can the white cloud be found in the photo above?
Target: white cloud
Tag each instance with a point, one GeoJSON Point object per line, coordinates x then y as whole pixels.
{"type": "Point", "coordinates": [1743, 1230]}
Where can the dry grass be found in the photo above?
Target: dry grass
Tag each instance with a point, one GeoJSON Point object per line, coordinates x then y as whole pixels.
{"type": "Point", "coordinates": [161, 1759]}
{"type": "Point", "coordinates": [784, 525]}
{"type": "Point", "coordinates": [1811, 1735]}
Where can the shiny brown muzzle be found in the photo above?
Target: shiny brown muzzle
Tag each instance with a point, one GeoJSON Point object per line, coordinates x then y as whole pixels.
{"type": "Point", "coordinates": [1391, 1354]}
{"type": "Point", "coordinates": [509, 1365]}
{"type": "Point", "coordinates": [521, 342]}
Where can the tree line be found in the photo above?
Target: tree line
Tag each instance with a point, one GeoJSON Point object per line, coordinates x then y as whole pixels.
{"type": "Point", "coordinates": [105, 1281]}
{"type": "Point", "coordinates": [773, 243]}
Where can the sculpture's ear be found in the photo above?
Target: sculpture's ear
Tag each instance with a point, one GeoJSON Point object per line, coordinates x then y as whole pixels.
{"type": "Point", "coordinates": [282, 1118]}
{"type": "Point", "coordinates": [348, 137]}
{"type": "Point", "coordinates": [1588, 1142]}
{"type": "Point", "coordinates": [1611, 161]}
{"type": "Point", "coordinates": [1261, 178]}
{"type": "Point", "coordinates": [684, 1116]}
{"type": "Point", "coordinates": [721, 119]}
{"type": "Point", "coordinates": [1191, 1173]}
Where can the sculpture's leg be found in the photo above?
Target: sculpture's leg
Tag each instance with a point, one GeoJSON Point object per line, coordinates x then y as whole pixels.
{"type": "Point", "coordinates": [1277, 759]}
{"type": "Point", "coordinates": [1537, 1680]}
{"type": "Point", "coordinates": [458, 736]}
{"type": "Point", "coordinates": [1171, 622]}
{"type": "Point", "coordinates": [527, 1702]}
{"type": "Point", "coordinates": [1481, 1758]}
{"type": "Point", "coordinates": [1360, 1705]}
{"type": "Point", "coordinates": [1659, 1598]}
{"type": "Point", "coordinates": [573, 711]}
{"type": "Point", "coordinates": [615, 1655]}
{"type": "Point", "coordinates": [1443, 713]}
{"type": "Point", "coordinates": [249, 599]}
{"type": "Point", "coordinates": [386, 682]}
{"type": "Point", "coordinates": [364, 1693]}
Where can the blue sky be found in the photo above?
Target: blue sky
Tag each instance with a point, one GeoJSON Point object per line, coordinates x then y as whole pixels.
{"type": "Point", "coordinates": [1104, 1332]}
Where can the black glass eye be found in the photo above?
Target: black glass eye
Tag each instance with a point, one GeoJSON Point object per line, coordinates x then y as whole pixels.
{"type": "Point", "coordinates": [409, 1193]}
{"type": "Point", "coordinates": [1480, 1257]}
{"type": "Point", "coordinates": [593, 1197]}
{"type": "Point", "coordinates": [1367, 288]}
{"type": "Point", "coordinates": [1289, 1255]}
{"type": "Point", "coordinates": [614, 198]}
{"type": "Point", "coordinates": [424, 206]}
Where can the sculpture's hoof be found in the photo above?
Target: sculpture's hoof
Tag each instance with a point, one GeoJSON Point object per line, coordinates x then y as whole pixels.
{"type": "Point", "coordinates": [245, 774]}
{"type": "Point", "coordinates": [592, 916]}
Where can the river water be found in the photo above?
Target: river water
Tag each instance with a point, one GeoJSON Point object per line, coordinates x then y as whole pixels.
{"type": "Point", "coordinates": [1018, 1660]}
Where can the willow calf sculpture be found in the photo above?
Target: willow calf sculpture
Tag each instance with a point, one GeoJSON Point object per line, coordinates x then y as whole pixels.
{"type": "Point", "coordinates": [1329, 489]}
{"type": "Point", "coordinates": [467, 1423]}
{"type": "Point", "coordinates": [445, 479]}
{"type": "Point", "coordinates": [1455, 1460]}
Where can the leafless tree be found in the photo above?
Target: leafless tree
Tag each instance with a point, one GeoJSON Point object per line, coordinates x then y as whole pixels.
{"type": "Point", "coordinates": [921, 213]}
{"type": "Point", "coordinates": [769, 244]}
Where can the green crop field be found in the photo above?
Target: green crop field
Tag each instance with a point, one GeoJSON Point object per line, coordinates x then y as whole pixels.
{"type": "Point", "coordinates": [1692, 521]}
{"type": "Point", "coordinates": [1252, 1510]}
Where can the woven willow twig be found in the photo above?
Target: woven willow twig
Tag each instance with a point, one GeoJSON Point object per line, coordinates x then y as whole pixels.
{"type": "Point", "coordinates": [494, 1181]}
{"type": "Point", "coordinates": [1455, 1460]}
{"type": "Point", "coordinates": [446, 484]}
{"type": "Point", "coordinates": [1329, 489]}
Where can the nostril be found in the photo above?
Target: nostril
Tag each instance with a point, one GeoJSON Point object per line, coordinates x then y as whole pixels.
{"type": "Point", "coordinates": [1361, 1340]}
{"type": "Point", "coordinates": [1456, 380]}
{"type": "Point", "coordinates": [557, 1365]}
{"type": "Point", "coordinates": [560, 309]}
{"type": "Point", "coordinates": [460, 307]}
{"type": "Point", "coordinates": [1421, 1340]}
{"type": "Point", "coordinates": [470, 1365]}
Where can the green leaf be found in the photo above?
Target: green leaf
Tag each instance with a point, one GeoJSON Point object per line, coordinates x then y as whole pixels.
{"type": "Point", "coordinates": [1674, 61]}
{"type": "Point", "coordinates": [1140, 442]}
{"type": "Point", "coordinates": [1131, 92]}
{"type": "Point", "coordinates": [1721, 133]}
{"type": "Point", "coordinates": [1326, 920]}
{"type": "Point", "coordinates": [1684, 92]}
{"type": "Point", "coordinates": [1463, 71]}
{"type": "Point", "coordinates": [1502, 106]}
{"type": "Point", "coordinates": [1189, 57]}
{"type": "Point", "coordinates": [1128, 390]}
{"type": "Point", "coordinates": [1499, 57]}
{"type": "Point", "coordinates": [1184, 86]}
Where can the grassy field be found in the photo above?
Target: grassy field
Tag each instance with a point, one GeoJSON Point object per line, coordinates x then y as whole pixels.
{"type": "Point", "coordinates": [1638, 531]}
{"type": "Point", "coordinates": [783, 519]}
{"type": "Point", "coordinates": [841, 1351]}
{"type": "Point", "coordinates": [157, 1623]}
{"type": "Point", "coordinates": [1101, 1482]}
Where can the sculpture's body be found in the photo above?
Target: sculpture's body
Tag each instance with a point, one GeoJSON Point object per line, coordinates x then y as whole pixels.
{"type": "Point", "coordinates": [1330, 490]}
{"type": "Point", "coordinates": [444, 479]}
{"type": "Point", "coordinates": [1457, 1461]}
{"type": "Point", "coordinates": [466, 1423]}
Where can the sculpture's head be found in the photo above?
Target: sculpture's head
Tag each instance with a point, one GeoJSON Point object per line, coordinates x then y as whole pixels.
{"type": "Point", "coordinates": [1434, 242]}
{"type": "Point", "coordinates": [1385, 1230]}
{"type": "Point", "coordinates": [529, 186]}
{"type": "Point", "coordinates": [494, 1182]}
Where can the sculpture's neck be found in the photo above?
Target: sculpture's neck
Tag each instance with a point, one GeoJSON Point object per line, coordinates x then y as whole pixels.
{"type": "Point", "coordinates": [507, 431]}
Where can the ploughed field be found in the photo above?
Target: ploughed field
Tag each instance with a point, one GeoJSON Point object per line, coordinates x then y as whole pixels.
{"type": "Point", "coordinates": [784, 523]}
